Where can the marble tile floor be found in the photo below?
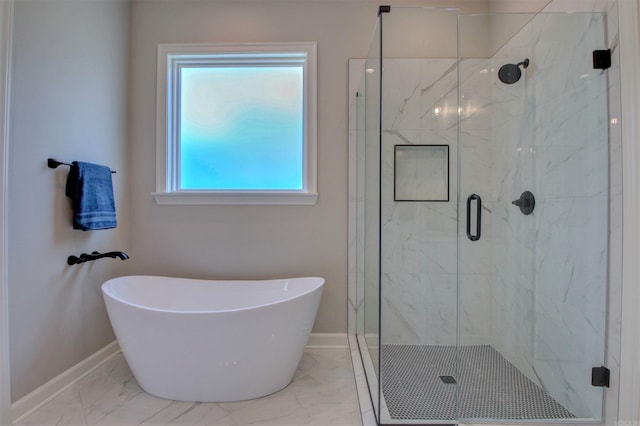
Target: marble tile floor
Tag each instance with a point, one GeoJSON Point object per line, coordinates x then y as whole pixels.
{"type": "Point", "coordinates": [323, 393]}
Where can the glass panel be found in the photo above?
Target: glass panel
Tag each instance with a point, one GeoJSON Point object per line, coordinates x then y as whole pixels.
{"type": "Point", "coordinates": [532, 288]}
{"type": "Point", "coordinates": [368, 216]}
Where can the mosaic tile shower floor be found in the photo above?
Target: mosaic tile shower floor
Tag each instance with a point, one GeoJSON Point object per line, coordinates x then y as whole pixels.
{"type": "Point", "coordinates": [488, 385]}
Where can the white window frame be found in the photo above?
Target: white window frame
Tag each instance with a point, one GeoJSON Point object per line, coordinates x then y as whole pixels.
{"type": "Point", "coordinates": [170, 58]}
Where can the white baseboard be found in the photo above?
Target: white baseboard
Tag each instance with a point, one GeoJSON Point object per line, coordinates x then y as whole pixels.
{"type": "Point", "coordinates": [37, 398]}
{"type": "Point", "coordinates": [328, 340]}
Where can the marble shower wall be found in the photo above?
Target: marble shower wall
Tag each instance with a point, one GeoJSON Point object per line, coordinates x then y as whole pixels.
{"type": "Point", "coordinates": [364, 241]}
{"type": "Point", "coordinates": [475, 292]}
{"type": "Point", "coordinates": [419, 250]}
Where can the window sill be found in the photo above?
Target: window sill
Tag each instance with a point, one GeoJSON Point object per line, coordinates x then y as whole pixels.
{"type": "Point", "coordinates": [235, 198]}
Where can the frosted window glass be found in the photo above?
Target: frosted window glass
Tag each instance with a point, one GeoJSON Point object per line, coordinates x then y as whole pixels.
{"type": "Point", "coordinates": [241, 128]}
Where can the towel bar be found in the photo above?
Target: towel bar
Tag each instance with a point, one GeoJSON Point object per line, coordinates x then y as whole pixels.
{"type": "Point", "coordinates": [84, 257]}
{"type": "Point", "coordinates": [53, 164]}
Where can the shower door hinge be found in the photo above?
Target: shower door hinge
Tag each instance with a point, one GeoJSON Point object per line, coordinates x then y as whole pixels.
{"type": "Point", "coordinates": [601, 59]}
{"type": "Point", "coordinates": [383, 9]}
{"type": "Point", "coordinates": [600, 376]}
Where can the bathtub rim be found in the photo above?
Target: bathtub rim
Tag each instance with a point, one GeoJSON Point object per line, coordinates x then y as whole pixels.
{"type": "Point", "coordinates": [317, 286]}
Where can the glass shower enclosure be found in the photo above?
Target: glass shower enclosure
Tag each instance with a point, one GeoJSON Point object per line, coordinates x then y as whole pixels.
{"type": "Point", "coordinates": [482, 219]}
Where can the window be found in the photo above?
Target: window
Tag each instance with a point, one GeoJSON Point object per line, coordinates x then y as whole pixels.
{"type": "Point", "coordinates": [236, 124]}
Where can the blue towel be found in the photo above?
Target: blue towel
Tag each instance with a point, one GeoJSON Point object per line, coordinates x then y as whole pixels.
{"type": "Point", "coordinates": [91, 191]}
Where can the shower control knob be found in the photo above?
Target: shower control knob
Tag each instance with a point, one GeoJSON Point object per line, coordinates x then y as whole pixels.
{"type": "Point", "coordinates": [526, 202]}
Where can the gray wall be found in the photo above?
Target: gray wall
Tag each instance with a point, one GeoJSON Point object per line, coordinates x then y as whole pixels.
{"type": "Point", "coordinates": [69, 101]}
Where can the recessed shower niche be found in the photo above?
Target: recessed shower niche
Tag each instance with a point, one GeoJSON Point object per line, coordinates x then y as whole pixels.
{"type": "Point", "coordinates": [421, 173]}
{"type": "Point", "coordinates": [513, 318]}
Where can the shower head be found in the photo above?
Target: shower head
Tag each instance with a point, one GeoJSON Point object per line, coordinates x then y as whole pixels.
{"type": "Point", "coordinates": [510, 73]}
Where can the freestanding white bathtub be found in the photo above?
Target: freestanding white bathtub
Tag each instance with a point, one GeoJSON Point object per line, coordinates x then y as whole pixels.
{"type": "Point", "coordinates": [212, 341]}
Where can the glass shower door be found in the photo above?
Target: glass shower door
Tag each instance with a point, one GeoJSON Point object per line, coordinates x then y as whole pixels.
{"type": "Point", "coordinates": [532, 216]}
